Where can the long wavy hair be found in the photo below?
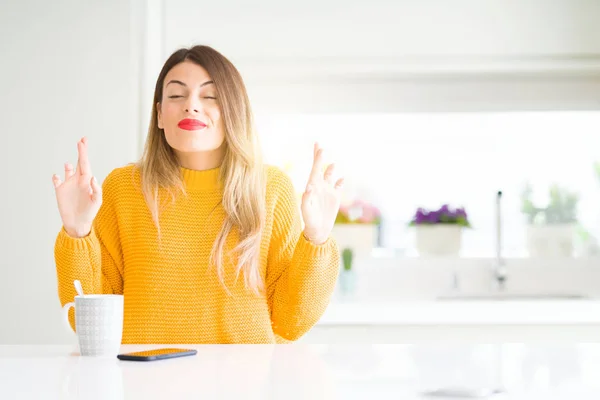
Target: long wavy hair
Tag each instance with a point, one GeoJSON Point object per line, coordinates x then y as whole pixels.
{"type": "Point", "coordinates": [241, 172]}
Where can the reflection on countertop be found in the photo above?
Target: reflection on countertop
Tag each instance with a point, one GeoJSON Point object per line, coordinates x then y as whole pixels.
{"type": "Point", "coordinates": [404, 371]}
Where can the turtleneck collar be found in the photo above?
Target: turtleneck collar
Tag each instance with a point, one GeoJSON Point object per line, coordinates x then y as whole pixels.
{"type": "Point", "coordinates": [201, 180]}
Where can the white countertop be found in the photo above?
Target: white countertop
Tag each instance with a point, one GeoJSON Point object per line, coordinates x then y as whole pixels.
{"type": "Point", "coordinates": [523, 371]}
{"type": "Point", "coordinates": [477, 312]}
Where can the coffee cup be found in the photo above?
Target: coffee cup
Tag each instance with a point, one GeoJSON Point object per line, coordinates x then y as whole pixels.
{"type": "Point", "coordinates": [98, 323]}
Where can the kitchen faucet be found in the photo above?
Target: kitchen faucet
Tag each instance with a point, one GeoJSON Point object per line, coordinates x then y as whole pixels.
{"type": "Point", "coordinates": [499, 265]}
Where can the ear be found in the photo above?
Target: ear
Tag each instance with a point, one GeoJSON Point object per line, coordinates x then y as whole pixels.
{"type": "Point", "coordinates": [159, 116]}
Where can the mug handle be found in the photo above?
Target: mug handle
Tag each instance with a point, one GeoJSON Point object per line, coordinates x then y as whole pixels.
{"type": "Point", "coordinates": [66, 309]}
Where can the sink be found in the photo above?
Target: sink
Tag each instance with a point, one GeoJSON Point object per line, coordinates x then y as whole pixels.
{"type": "Point", "coordinates": [512, 296]}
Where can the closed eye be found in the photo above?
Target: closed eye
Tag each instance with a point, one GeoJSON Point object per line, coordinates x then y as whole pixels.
{"type": "Point", "coordinates": [174, 97]}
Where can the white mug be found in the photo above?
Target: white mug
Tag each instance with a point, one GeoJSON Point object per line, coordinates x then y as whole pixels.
{"type": "Point", "coordinates": [98, 323]}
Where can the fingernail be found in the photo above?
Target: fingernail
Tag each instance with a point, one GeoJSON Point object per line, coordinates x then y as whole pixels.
{"type": "Point", "coordinates": [94, 179]}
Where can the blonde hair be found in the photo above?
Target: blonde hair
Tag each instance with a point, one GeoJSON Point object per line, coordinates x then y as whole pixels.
{"type": "Point", "coordinates": [241, 172]}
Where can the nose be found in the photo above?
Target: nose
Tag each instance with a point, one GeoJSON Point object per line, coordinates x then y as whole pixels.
{"type": "Point", "coordinates": [192, 106]}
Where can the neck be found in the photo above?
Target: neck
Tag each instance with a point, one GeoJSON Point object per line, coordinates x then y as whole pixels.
{"type": "Point", "coordinates": [202, 160]}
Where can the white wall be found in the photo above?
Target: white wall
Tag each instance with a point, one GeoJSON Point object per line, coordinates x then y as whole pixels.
{"type": "Point", "coordinates": [382, 28]}
{"type": "Point", "coordinates": [68, 69]}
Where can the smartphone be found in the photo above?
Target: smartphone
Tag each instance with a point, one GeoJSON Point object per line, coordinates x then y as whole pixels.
{"type": "Point", "coordinates": [157, 354]}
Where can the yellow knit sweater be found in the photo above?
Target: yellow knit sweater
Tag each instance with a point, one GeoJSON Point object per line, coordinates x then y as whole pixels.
{"type": "Point", "coordinates": [171, 295]}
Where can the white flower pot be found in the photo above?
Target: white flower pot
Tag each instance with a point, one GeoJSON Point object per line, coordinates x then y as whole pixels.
{"type": "Point", "coordinates": [438, 239]}
{"type": "Point", "coordinates": [358, 237]}
{"type": "Point", "coordinates": [550, 240]}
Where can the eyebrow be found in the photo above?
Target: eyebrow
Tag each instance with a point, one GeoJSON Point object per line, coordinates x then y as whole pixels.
{"type": "Point", "coordinates": [184, 85]}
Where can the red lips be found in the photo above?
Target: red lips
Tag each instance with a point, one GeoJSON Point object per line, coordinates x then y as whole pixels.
{"type": "Point", "coordinates": [190, 124]}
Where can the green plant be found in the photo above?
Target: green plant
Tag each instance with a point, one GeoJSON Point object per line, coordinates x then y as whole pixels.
{"type": "Point", "coordinates": [561, 208]}
{"type": "Point", "coordinates": [597, 169]}
{"type": "Point", "coordinates": [347, 256]}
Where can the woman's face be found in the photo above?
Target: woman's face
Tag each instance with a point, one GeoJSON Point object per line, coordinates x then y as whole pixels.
{"type": "Point", "coordinates": [189, 111]}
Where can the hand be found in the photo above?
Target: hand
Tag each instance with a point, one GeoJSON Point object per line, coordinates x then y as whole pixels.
{"type": "Point", "coordinates": [79, 197]}
{"type": "Point", "coordinates": [321, 200]}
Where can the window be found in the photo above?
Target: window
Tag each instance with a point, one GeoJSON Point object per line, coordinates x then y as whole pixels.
{"type": "Point", "coordinates": [404, 161]}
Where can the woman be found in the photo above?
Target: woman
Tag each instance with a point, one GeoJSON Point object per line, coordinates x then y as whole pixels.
{"type": "Point", "coordinates": [204, 241]}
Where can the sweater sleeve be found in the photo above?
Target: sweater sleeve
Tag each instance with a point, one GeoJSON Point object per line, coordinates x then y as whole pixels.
{"type": "Point", "coordinates": [95, 260]}
{"type": "Point", "coordinates": [300, 276]}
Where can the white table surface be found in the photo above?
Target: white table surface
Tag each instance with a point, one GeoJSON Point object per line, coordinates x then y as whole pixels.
{"type": "Point", "coordinates": [472, 312]}
{"type": "Point", "coordinates": [525, 371]}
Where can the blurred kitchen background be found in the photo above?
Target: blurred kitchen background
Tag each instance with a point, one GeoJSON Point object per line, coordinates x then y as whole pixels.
{"type": "Point", "coordinates": [428, 108]}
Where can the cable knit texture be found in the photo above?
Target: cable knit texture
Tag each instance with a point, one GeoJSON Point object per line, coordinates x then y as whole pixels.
{"type": "Point", "coordinates": [171, 293]}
